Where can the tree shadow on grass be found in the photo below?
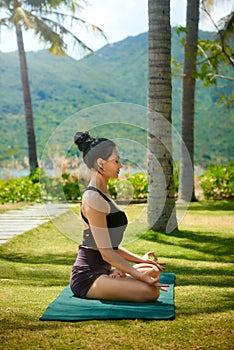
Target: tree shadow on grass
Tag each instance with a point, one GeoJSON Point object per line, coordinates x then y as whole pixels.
{"type": "Point", "coordinates": [214, 306]}
{"type": "Point", "coordinates": [213, 247]}
{"type": "Point", "coordinates": [48, 258]}
{"type": "Point", "coordinates": [221, 205]}
{"type": "Point", "coordinates": [200, 276]}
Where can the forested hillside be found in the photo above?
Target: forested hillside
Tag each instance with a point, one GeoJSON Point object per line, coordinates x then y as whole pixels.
{"type": "Point", "coordinates": [62, 86]}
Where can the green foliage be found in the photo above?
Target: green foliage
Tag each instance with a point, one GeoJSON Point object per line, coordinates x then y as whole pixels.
{"type": "Point", "coordinates": [62, 87]}
{"type": "Point", "coordinates": [19, 190]}
{"type": "Point", "coordinates": [113, 187]}
{"type": "Point", "coordinates": [214, 61]}
{"type": "Point", "coordinates": [71, 187]}
{"type": "Point", "coordinates": [218, 182]}
{"type": "Point", "coordinates": [38, 186]}
{"type": "Point", "coordinates": [139, 182]}
{"type": "Point", "coordinates": [134, 186]}
{"type": "Point", "coordinates": [120, 189]}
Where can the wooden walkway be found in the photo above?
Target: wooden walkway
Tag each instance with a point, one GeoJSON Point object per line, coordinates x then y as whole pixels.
{"type": "Point", "coordinates": [15, 222]}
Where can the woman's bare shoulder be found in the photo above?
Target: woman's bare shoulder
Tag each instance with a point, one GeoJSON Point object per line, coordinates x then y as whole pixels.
{"type": "Point", "coordinates": [95, 201]}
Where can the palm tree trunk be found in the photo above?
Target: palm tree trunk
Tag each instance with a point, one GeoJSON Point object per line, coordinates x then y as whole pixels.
{"type": "Point", "coordinates": [161, 196]}
{"type": "Point", "coordinates": [27, 102]}
{"type": "Point", "coordinates": [186, 179]}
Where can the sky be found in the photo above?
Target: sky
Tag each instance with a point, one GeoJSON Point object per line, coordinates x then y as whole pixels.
{"type": "Point", "coordinates": [120, 19]}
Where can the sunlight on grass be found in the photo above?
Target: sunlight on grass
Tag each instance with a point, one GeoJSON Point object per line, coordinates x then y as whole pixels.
{"type": "Point", "coordinates": [35, 267]}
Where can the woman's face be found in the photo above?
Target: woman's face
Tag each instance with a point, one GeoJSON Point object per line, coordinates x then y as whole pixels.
{"type": "Point", "coordinates": [112, 165]}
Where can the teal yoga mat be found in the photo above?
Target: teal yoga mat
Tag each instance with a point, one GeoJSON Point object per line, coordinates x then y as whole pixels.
{"type": "Point", "coordinates": [66, 307]}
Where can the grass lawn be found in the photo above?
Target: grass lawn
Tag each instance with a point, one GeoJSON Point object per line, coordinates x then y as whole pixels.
{"type": "Point", "coordinates": [35, 267]}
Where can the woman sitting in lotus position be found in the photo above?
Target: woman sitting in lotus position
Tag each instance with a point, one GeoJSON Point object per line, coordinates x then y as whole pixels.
{"type": "Point", "coordinates": [102, 269]}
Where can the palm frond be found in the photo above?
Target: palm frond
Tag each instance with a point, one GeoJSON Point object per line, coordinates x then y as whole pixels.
{"type": "Point", "coordinates": [53, 33]}
{"type": "Point", "coordinates": [4, 22]}
{"type": "Point", "coordinates": [46, 33]}
{"type": "Point", "coordinates": [47, 19]}
{"type": "Point", "coordinates": [63, 31]}
{"type": "Point", "coordinates": [71, 5]}
{"type": "Point", "coordinates": [22, 17]}
{"type": "Point", "coordinates": [57, 50]}
{"type": "Point", "coordinates": [63, 18]}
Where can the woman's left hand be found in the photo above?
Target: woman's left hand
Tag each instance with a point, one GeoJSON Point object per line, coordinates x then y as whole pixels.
{"type": "Point", "coordinates": [154, 260]}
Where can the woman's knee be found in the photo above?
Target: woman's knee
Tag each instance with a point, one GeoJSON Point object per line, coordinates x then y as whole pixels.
{"type": "Point", "coordinates": [150, 293]}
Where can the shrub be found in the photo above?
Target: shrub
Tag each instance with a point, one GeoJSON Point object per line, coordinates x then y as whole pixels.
{"type": "Point", "coordinates": [120, 189]}
{"type": "Point", "coordinates": [19, 190]}
{"type": "Point", "coordinates": [71, 187]}
{"type": "Point", "coordinates": [218, 182]}
{"type": "Point", "coordinates": [38, 186]}
{"type": "Point", "coordinates": [132, 187]}
{"type": "Point", "coordinates": [139, 182]}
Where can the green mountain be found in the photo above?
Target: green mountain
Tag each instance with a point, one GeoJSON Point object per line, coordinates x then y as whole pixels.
{"type": "Point", "coordinates": [62, 86]}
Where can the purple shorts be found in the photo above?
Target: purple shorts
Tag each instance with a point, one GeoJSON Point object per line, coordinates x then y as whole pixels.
{"type": "Point", "coordinates": [89, 265]}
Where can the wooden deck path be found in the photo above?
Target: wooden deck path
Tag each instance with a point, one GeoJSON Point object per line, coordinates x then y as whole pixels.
{"type": "Point", "coordinates": [15, 222]}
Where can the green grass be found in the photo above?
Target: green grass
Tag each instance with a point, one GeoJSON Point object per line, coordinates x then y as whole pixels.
{"type": "Point", "coordinates": [35, 267]}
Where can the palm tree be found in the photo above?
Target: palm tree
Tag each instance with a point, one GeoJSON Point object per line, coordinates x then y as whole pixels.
{"type": "Point", "coordinates": [186, 177]}
{"type": "Point", "coordinates": [48, 22]}
{"type": "Point", "coordinates": [161, 196]}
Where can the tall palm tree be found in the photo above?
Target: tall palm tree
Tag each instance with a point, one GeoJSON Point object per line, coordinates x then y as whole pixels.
{"type": "Point", "coordinates": [186, 177]}
{"type": "Point", "coordinates": [161, 197]}
{"type": "Point", "coordinates": [48, 19]}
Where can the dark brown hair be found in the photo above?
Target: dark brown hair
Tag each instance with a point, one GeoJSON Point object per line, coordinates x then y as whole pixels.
{"type": "Point", "coordinates": [93, 148]}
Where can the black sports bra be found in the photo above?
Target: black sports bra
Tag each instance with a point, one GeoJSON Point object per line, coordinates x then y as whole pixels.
{"type": "Point", "coordinates": [116, 223]}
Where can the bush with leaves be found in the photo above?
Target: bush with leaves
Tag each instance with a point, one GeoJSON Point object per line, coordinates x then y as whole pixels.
{"type": "Point", "coordinates": [218, 182]}
{"type": "Point", "coordinates": [71, 187]}
{"type": "Point", "coordinates": [20, 190]}
{"type": "Point", "coordinates": [132, 186]}
{"type": "Point", "coordinates": [38, 186]}
{"type": "Point", "coordinates": [139, 182]}
{"type": "Point", "coordinates": [135, 186]}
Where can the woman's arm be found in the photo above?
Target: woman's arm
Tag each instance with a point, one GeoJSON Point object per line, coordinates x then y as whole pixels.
{"type": "Point", "coordinates": [98, 225]}
{"type": "Point", "coordinates": [129, 256]}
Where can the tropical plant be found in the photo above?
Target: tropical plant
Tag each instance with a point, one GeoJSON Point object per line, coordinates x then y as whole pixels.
{"type": "Point", "coordinates": [48, 19]}
{"type": "Point", "coordinates": [216, 57]}
{"type": "Point", "coordinates": [217, 182]}
{"type": "Point", "coordinates": [132, 186]}
{"type": "Point", "coordinates": [161, 196]}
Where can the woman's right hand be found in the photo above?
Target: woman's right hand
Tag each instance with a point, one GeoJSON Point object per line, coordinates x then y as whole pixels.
{"type": "Point", "coordinates": [146, 277]}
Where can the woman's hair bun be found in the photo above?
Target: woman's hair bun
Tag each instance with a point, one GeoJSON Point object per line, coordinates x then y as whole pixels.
{"type": "Point", "coordinates": [83, 140]}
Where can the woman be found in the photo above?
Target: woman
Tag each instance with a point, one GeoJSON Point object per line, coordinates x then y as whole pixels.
{"type": "Point", "coordinates": [104, 224]}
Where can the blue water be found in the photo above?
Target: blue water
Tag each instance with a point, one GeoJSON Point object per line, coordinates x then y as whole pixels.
{"type": "Point", "coordinates": [6, 174]}
{"type": "Point", "coordinates": [12, 173]}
